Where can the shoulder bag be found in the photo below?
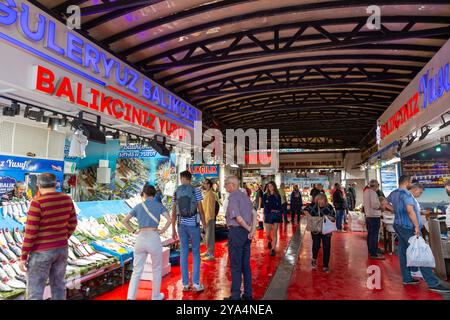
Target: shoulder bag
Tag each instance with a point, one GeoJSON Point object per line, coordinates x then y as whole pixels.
{"type": "Point", "coordinates": [313, 223]}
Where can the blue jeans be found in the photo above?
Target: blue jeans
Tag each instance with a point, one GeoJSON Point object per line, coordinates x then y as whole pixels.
{"type": "Point", "coordinates": [191, 234]}
{"type": "Point", "coordinates": [239, 250]}
{"type": "Point", "coordinates": [340, 213]}
{"type": "Point", "coordinates": [373, 230]}
{"type": "Point", "coordinates": [403, 235]}
{"type": "Point", "coordinates": [47, 265]}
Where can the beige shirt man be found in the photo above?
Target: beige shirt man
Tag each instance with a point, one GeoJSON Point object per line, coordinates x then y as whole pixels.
{"type": "Point", "coordinates": [371, 204]}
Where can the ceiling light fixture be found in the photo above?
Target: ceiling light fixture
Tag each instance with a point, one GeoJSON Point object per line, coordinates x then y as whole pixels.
{"type": "Point", "coordinates": [400, 145]}
{"type": "Point", "coordinates": [11, 111]}
{"type": "Point", "coordinates": [445, 123]}
{"type": "Point", "coordinates": [425, 130]}
{"type": "Point", "coordinates": [411, 139]}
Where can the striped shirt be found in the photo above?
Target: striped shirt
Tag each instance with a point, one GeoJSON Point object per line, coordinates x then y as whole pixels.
{"type": "Point", "coordinates": [51, 221]}
{"type": "Point", "coordinates": [191, 221]}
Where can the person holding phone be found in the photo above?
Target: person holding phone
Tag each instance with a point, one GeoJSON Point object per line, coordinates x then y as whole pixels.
{"type": "Point", "coordinates": [148, 214]}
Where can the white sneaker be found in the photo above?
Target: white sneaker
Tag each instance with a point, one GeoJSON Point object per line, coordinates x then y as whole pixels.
{"type": "Point", "coordinates": [160, 297]}
{"type": "Point", "coordinates": [416, 274]}
{"type": "Point", "coordinates": [198, 287]}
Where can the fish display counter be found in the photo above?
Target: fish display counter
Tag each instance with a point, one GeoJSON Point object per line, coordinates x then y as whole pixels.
{"type": "Point", "coordinates": [100, 250]}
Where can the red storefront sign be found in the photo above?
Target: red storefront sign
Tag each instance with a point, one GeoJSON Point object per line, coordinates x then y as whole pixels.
{"type": "Point", "coordinates": [103, 102]}
{"type": "Point", "coordinates": [406, 112]}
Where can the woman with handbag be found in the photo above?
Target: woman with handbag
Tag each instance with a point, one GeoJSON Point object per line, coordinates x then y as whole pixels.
{"type": "Point", "coordinates": [272, 215]}
{"type": "Point", "coordinates": [320, 222]}
{"type": "Point", "coordinates": [148, 214]}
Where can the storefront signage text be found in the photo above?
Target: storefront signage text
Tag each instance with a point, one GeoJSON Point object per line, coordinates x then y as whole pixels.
{"type": "Point", "coordinates": [204, 169]}
{"type": "Point", "coordinates": [46, 82]}
{"type": "Point", "coordinates": [434, 87]}
{"type": "Point", "coordinates": [308, 164]}
{"type": "Point", "coordinates": [90, 58]}
{"type": "Point", "coordinates": [406, 112]}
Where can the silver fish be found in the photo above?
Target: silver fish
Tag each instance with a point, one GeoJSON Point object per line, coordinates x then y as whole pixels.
{"type": "Point", "coordinates": [10, 255]}
{"type": "Point", "coordinates": [17, 236]}
{"type": "Point", "coordinates": [15, 249]}
{"type": "Point", "coordinates": [9, 270]}
{"type": "Point", "coordinates": [3, 258]}
{"type": "Point", "coordinates": [5, 288]}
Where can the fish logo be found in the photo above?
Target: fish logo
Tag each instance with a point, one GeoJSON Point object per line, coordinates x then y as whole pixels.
{"type": "Point", "coordinates": [56, 168]}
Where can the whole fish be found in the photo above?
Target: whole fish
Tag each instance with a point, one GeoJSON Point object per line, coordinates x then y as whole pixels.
{"type": "Point", "coordinates": [16, 284]}
{"type": "Point", "coordinates": [15, 208]}
{"type": "Point", "coordinates": [17, 236]}
{"type": "Point", "coordinates": [4, 287]}
{"type": "Point", "coordinates": [80, 262]}
{"type": "Point", "coordinates": [5, 210]}
{"type": "Point", "coordinates": [8, 236]}
{"type": "Point", "coordinates": [10, 255]}
{"type": "Point", "coordinates": [17, 270]}
{"type": "Point", "coordinates": [9, 270]}
{"type": "Point", "coordinates": [24, 207]}
{"type": "Point", "coordinates": [3, 258]}
{"type": "Point", "coordinates": [22, 279]}
{"type": "Point", "coordinates": [3, 241]}
{"type": "Point", "coordinates": [16, 250]}
{"type": "Point", "coordinates": [10, 210]}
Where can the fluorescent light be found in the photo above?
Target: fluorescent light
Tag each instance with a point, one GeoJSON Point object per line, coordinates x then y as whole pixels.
{"type": "Point", "coordinates": [234, 165]}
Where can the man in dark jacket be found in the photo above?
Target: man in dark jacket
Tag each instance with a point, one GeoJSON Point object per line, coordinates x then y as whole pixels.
{"type": "Point", "coordinates": [351, 196]}
{"type": "Point", "coordinates": [296, 203]}
{"type": "Point", "coordinates": [339, 206]}
{"type": "Point", "coordinates": [318, 189]}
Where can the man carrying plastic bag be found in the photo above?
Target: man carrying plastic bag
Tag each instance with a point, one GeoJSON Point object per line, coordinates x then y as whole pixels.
{"type": "Point", "coordinates": [407, 224]}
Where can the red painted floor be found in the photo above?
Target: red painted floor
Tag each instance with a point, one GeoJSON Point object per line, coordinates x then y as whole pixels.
{"type": "Point", "coordinates": [215, 275]}
{"type": "Point", "coordinates": [348, 276]}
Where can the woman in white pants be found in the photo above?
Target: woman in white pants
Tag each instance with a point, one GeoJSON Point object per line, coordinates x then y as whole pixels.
{"type": "Point", "coordinates": [148, 214]}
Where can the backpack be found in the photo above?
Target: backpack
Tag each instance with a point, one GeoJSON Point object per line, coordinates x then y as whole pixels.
{"type": "Point", "coordinates": [186, 202]}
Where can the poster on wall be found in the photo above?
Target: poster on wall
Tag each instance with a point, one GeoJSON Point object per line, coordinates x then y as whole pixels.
{"type": "Point", "coordinates": [15, 169]}
{"type": "Point", "coordinates": [201, 172]}
{"type": "Point", "coordinates": [389, 179]}
{"type": "Point", "coordinates": [89, 189]}
{"type": "Point", "coordinates": [137, 165]}
{"type": "Point", "coordinates": [434, 199]}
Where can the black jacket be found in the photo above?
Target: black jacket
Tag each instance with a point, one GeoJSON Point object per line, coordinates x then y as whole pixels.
{"type": "Point", "coordinates": [338, 200]}
{"type": "Point", "coordinates": [315, 192]}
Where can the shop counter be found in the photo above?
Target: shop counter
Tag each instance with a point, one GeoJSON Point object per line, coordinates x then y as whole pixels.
{"type": "Point", "coordinates": [440, 245]}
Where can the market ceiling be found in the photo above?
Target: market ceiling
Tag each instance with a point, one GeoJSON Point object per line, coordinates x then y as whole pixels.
{"type": "Point", "coordinates": [312, 69]}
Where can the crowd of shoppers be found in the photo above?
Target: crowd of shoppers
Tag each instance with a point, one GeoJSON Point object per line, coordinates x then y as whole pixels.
{"type": "Point", "coordinates": [45, 253]}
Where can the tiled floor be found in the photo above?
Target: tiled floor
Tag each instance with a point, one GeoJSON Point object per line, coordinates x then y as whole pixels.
{"type": "Point", "coordinates": [215, 275]}
{"type": "Point", "coordinates": [348, 277]}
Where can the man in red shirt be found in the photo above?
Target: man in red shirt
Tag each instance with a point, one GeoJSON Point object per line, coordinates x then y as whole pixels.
{"type": "Point", "coordinates": [50, 223]}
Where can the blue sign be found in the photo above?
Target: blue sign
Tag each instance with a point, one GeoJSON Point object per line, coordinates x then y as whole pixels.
{"type": "Point", "coordinates": [433, 87]}
{"type": "Point", "coordinates": [9, 163]}
{"type": "Point", "coordinates": [77, 50]}
{"type": "Point", "coordinates": [137, 151]}
{"type": "Point", "coordinates": [6, 184]}
{"type": "Point", "coordinates": [13, 169]}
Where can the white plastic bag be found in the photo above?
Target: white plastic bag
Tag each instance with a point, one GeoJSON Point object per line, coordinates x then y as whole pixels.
{"type": "Point", "coordinates": [328, 226]}
{"type": "Point", "coordinates": [419, 253]}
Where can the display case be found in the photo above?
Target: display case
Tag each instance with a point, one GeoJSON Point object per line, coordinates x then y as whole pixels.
{"type": "Point", "coordinates": [100, 250]}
